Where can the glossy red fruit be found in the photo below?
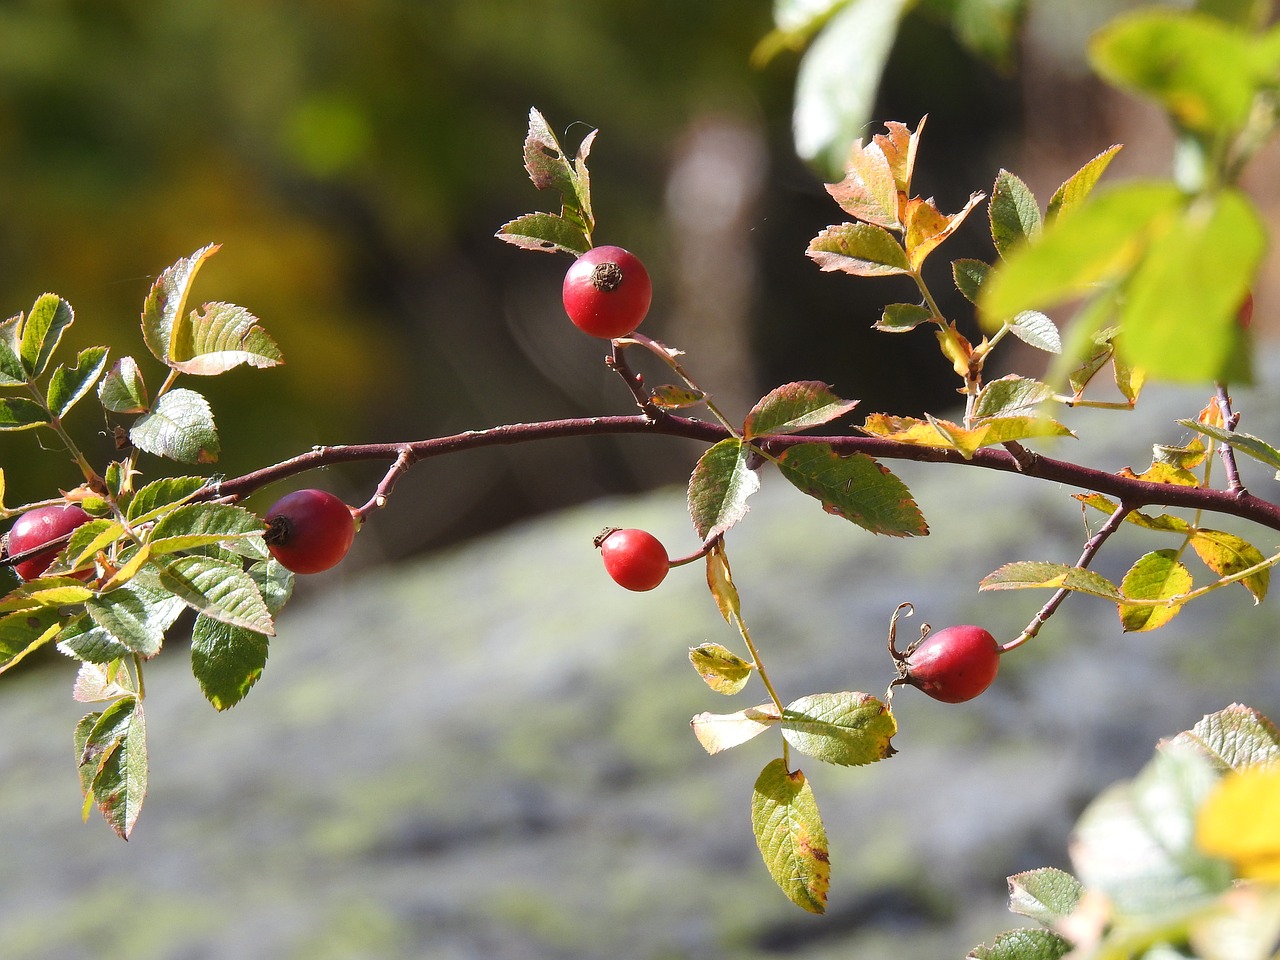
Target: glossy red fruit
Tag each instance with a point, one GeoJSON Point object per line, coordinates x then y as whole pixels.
{"type": "Point", "coordinates": [309, 530]}
{"type": "Point", "coordinates": [635, 559]}
{"type": "Point", "coordinates": [952, 665]}
{"type": "Point", "coordinates": [607, 292]}
{"type": "Point", "coordinates": [39, 526]}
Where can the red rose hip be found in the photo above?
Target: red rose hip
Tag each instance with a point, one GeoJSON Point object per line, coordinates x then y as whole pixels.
{"type": "Point", "coordinates": [39, 526]}
{"type": "Point", "coordinates": [309, 530]}
{"type": "Point", "coordinates": [607, 292]}
{"type": "Point", "coordinates": [952, 665]}
{"type": "Point", "coordinates": [633, 558]}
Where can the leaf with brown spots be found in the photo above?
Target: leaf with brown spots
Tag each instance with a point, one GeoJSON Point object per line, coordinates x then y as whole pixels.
{"type": "Point", "coordinates": [789, 832]}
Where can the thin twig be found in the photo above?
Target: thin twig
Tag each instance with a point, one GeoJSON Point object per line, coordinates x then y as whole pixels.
{"type": "Point", "coordinates": [1230, 420]}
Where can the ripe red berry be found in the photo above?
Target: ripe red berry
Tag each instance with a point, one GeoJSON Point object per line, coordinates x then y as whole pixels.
{"type": "Point", "coordinates": [39, 526]}
{"type": "Point", "coordinates": [607, 292]}
{"type": "Point", "coordinates": [952, 665]}
{"type": "Point", "coordinates": [309, 530]}
{"type": "Point", "coordinates": [635, 559]}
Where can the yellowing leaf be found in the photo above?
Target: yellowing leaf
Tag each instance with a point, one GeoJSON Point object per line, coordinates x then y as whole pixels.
{"type": "Point", "coordinates": [1226, 554]}
{"type": "Point", "coordinates": [791, 837]}
{"type": "Point", "coordinates": [1240, 822]}
{"type": "Point", "coordinates": [927, 227]}
{"type": "Point", "coordinates": [720, 731]}
{"type": "Point", "coordinates": [1158, 575]}
{"type": "Point", "coordinates": [868, 191]}
{"type": "Point", "coordinates": [861, 249]}
{"type": "Point", "coordinates": [720, 582]}
{"type": "Point", "coordinates": [722, 669]}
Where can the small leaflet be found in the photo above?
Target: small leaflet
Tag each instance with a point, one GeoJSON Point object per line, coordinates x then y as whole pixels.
{"type": "Point", "coordinates": [721, 731]}
{"type": "Point", "coordinates": [794, 407]}
{"type": "Point", "coordinates": [1158, 575]}
{"type": "Point", "coordinates": [791, 836]}
{"type": "Point", "coordinates": [722, 669]}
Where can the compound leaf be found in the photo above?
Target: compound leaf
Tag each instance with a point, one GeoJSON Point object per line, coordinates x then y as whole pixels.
{"type": "Point", "coordinates": [49, 318]}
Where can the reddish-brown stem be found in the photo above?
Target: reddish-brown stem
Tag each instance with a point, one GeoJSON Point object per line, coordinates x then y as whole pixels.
{"type": "Point", "coordinates": [1225, 450]}
{"type": "Point", "coordinates": [1091, 548]}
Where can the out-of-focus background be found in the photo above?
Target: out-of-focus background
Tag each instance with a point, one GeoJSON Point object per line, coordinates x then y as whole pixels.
{"type": "Point", "coordinates": [508, 772]}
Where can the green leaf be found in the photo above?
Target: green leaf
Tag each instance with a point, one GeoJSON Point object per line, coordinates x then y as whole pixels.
{"type": "Point", "coordinates": [1226, 554]}
{"type": "Point", "coordinates": [545, 231]}
{"type": "Point", "coordinates": [721, 731]}
{"type": "Point", "coordinates": [855, 487]}
{"type": "Point", "coordinates": [220, 590]}
{"type": "Point", "coordinates": [1100, 242]}
{"type": "Point", "coordinates": [1023, 945]}
{"type": "Point", "coordinates": [1158, 575]}
{"type": "Point", "coordinates": [990, 29]}
{"type": "Point", "coordinates": [112, 759]}
{"type": "Point", "coordinates": [719, 487]}
{"type": "Point", "coordinates": [1077, 187]}
{"type": "Point", "coordinates": [1179, 314]}
{"type": "Point", "coordinates": [152, 499]}
{"type": "Point", "coordinates": [1250, 14]}
{"type": "Point", "coordinates": [166, 303]}
{"type": "Point", "coordinates": [203, 524]}
{"type": "Point", "coordinates": [136, 616]}
{"type": "Point", "coordinates": [901, 317]}
{"type": "Point", "coordinates": [1135, 843]}
{"type": "Point", "coordinates": [66, 387]}
{"type": "Point", "coordinates": [86, 641]}
{"type": "Point", "coordinates": [1164, 522]}
{"type": "Point", "coordinates": [1047, 895]}
{"type": "Point", "coordinates": [790, 835]}
{"type": "Point", "coordinates": [722, 669]}
{"type": "Point", "coordinates": [1013, 213]}
{"type": "Point", "coordinates": [88, 538]}
{"type": "Point", "coordinates": [1011, 396]}
{"type": "Point", "coordinates": [794, 407]}
{"type": "Point", "coordinates": [122, 390]}
{"type": "Point", "coordinates": [842, 728]}
{"type": "Point", "coordinates": [19, 413]}
{"type": "Point", "coordinates": [224, 336]}
{"type": "Point", "coordinates": [1235, 738]}
{"type": "Point", "coordinates": [1036, 330]}
{"type": "Point", "coordinates": [48, 320]}
{"type": "Point", "coordinates": [968, 276]}
{"type": "Point", "coordinates": [12, 373]}
{"type": "Point", "coordinates": [1202, 72]}
{"type": "Point", "coordinates": [1024, 574]}
{"type": "Point", "coordinates": [1243, 442]}
{"type": "Point", "coordinates": [838, 77]}
{"type": "Point", "coordinates": [179, 427]}
{"type": "Point", "coordinates": [23, 632]}
{"type": "Point", "coordinates": [862, 249]}
{"type": "Point", "coordinates": [226, 661]}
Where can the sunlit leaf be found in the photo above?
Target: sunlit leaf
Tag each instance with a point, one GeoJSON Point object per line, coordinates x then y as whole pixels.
{"type": "Point", "coordinates": [545, 231]}
{"type": "Point", "coordinates": [794, 407]}
{"type": "Point", "coordinates": [1024, 574]}
{"type": "Point", "coordinates": [838, 77]}
{"type": "Point", "coordinates": [19, 413]}
{"type": "Point", "coordinates": [1243, 442]}
{"type": "Point", "coordinates": [167, 300]}
{"type": "Point", "coordinates": [1164, 521]}
{"type": "Point", "coordinates": [927, 227]}
{"type": "Point", "coordinates": [135, 616]}
{"type": "Point", "coordinates": [1036, 330]}
{"type": "Point", "coordinates": [151, 499]}
{"type": "Point", "coordinates": [1238, 823]}
{"type": "Point", "coordinates": [122, 390]}
{"type": "Point", "coordinates": [49, 318]}
{"type": "Point", "coordinates": [1076, 188]}
{"type": "Point", "coordinates": [666, 396]}
{"type": "Point", "coordinates": [968, 276]}
{"type": "Point", "coordinates": [856, 487]}
{"type": "Point", "coordinates": [901, 317]}
{"type": "Point", "coordinates": [180, 427]}
{"type": "Point", "coordinates": [1101, 241]}
{"type": "Point", "coordinates": [1234, 738]}
{"type": "Point", "coordinates": [221, 337]}
{"type": "Point", "coordinates": [1227, 554]}
{"type": "Point", "coordinates": [861, 249]}
{"type": "Point", "coordinates": [1204, 73]}
{"type": "Point", "coordinates": [719, 487]}
{"type": "Point", "coordinates": [790, 835]}
{"type": "Point", "coordinates": [68, 385]}
{"type": "Point", "coordinates": [1011, 396]}
{"type": "Point", "coordinates": [96, 682]}
{"type": "Point", "coordinates": [112, 749]}
{"type": "Point", "coordinates": [721, 731]}
{"type": "Point", "coordinates": [722, 669]}
{"type": "Point", "coordinates": [841, 728]}
{"type": "Point", "coordinates": [202, 524]}
{"type": "Point", "coordinates": [220, 590]}
{"type": "Point", "coordinates": [26, 631]}
{"type": "Point", "coordinates": [868, 191]}
{"type": "Point", "coordinates": [1158, 575]}
{"type": "Point", "coordinates": [1027, 944]}
{"type": "Point", "coordinates": [1048, 894]}
{"type": "Point", "coordinates": [1013, 213]}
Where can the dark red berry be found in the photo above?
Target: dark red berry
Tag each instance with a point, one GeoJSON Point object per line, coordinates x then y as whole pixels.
{"type": "Point", "coordinates": [607, 292]}
{"type": "Point", "coordinates": [39, 526]}
{"type": "Point", "coordinates": [635, 559]}
{"type": "Point", "coordinates": [952, 665]}
{"type": "Point", "coordinates": [309, 530]}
